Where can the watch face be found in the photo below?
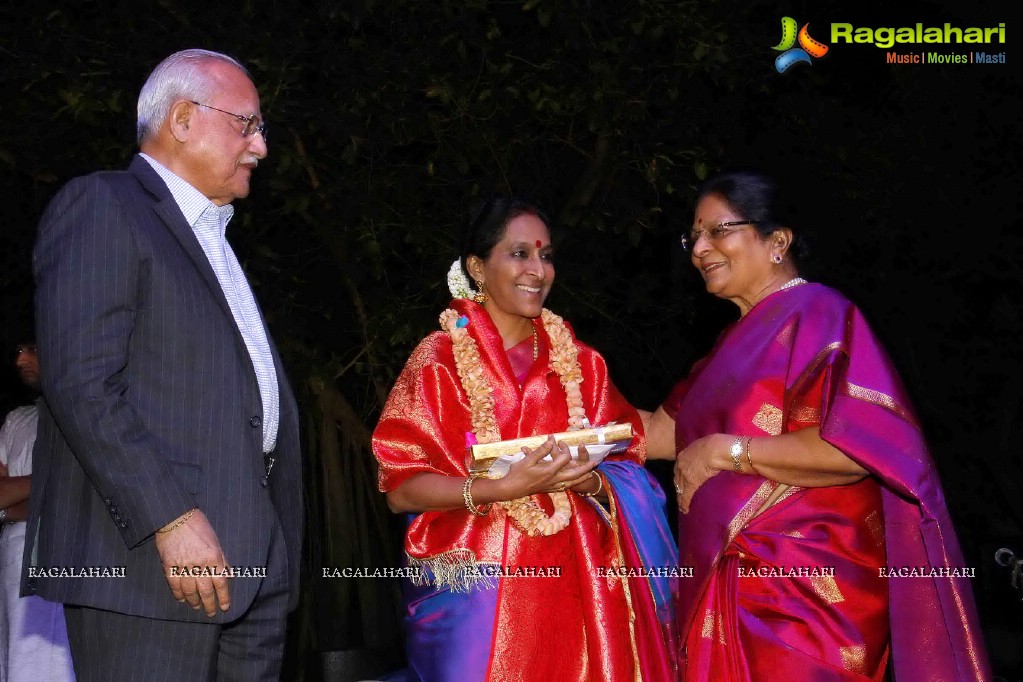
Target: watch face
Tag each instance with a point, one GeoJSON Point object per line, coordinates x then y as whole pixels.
{"type": "Point", "coordinates": [736, 452]}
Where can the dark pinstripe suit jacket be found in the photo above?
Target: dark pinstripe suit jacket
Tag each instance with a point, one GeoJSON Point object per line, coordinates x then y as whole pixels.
{"type": "Point", "coordinates": [152, 405]}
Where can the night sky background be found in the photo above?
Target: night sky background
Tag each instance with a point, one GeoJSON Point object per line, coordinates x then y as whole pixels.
{"type": "Point", "coordinates": [388, 118]}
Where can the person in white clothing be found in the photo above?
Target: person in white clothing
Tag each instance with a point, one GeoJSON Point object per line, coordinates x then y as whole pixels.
{"type": "Point", "coordinates": [33, 638]}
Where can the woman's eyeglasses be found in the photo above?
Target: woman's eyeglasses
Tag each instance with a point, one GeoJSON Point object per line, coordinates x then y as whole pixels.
{"type": "Point", "coordinates": [718, 232]}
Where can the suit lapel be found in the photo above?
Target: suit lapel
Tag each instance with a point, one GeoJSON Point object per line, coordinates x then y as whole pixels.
{"type": "Point", "coordinates": [170, 214]}
{"type": "Point", "coordinates": [166, 208]}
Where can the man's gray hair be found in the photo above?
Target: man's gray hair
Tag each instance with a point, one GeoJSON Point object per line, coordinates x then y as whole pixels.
{"type": "Point", "coordinates": [180, 76]}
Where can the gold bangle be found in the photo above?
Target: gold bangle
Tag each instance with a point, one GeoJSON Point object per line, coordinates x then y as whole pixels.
{"type": "Point", "coordinates": [180, 521]}
{"type": "Point", "coordinates": [751, 467]}
{"type": "Point", "coordinates": [467, 498]}
{"type": "Point", "coordinates": [600, 486]}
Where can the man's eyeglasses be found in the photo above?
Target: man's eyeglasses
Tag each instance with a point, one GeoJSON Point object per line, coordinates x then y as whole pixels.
{"type": "Point", "coordinates": [719, 231]}
{"type": "Point", "coordinates": [25, 348]}
{"type": "Point", "coordinates": [253, 124]}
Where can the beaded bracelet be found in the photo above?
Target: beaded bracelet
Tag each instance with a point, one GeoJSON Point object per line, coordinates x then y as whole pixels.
{"type": "Point", "coordinates": [180, 521]}
{"type": "Point", "coordinates": [600, 486]}
{"type": "Point", "coordinates": [467, 498]}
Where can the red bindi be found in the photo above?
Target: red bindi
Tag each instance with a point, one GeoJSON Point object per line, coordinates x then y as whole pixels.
{"type": "Point", "coordinates": [538, 244]}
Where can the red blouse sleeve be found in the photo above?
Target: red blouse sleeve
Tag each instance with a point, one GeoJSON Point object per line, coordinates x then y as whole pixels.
{"type": "Point", "coordinates": [608, 403]}
{"type": "Point", "coordinates": [423, 424]}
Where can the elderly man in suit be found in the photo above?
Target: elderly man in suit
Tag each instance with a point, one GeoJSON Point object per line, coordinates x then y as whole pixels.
{"type": "Point", "coordinates": [166, 504]}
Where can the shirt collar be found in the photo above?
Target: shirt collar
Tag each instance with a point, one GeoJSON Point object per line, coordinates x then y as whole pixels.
{"type": "Point", "coordinates": [193, 203]}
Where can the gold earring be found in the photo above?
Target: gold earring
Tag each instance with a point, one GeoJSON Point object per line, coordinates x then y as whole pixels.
{"type": "Point", "coordinates": [480, 296]}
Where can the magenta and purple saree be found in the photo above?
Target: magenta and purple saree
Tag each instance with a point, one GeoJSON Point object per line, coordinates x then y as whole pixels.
{"type": "Point", "coordinates": [791, 583]}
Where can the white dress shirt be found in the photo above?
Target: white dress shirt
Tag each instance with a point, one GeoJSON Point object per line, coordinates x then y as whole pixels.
{"type": "Point", "coordinates": [209, 223]}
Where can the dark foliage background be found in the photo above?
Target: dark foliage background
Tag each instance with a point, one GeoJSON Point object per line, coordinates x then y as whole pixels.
{"type": "Point", "coordinates": [388, 118]}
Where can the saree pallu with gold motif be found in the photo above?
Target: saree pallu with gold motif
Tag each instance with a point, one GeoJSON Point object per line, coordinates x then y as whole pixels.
{"type": "Point", "coordinates": [792, 583]}
{"type": "Point", "coordinates": [497, 604]}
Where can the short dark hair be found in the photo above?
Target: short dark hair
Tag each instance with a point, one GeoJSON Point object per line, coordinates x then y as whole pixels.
{"type": "Point", "coordinates": [756, 196]}
{"type": "Point", "coordinates": [487, 223]}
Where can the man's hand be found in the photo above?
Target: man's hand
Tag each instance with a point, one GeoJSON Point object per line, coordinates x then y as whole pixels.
{"type": "Point", "coordinates": [194, 544]}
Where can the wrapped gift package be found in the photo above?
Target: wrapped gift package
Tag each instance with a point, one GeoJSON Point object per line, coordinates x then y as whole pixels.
{"type": "Point", "coordinates": [494, 458]}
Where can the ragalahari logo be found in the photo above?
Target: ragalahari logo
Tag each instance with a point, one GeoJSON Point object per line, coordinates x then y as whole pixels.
{"type": "Point", "coordinates": [808, 47]}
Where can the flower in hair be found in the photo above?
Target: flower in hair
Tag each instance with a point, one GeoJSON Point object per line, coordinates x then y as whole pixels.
{"type": "Point", "coordinates": [458, 285]}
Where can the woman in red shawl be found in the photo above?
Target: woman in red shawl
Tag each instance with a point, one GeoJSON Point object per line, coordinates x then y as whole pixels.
{"type": "Point", "coordinates": [803, 480]}
{"type": "Point", "coordinates": [539, 575]}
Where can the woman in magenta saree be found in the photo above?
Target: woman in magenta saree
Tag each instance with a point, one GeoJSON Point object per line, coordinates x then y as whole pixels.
{"type": "Point", "coordinates": [805, 481]}
{"type": "Point", "coordinates": [487, 606]}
